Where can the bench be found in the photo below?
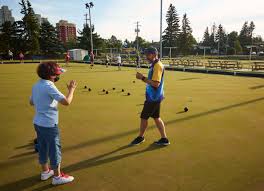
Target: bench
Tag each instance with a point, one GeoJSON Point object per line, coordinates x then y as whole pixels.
{"type": "Point", "coordinates": [257, 66]}
{"type": "Point", "coordinates": [173, 62]}
{"type": "Point", "coordinates": [235, 65]}
{"type": "Point", "coordinates": [213, 64]}
{"type": "Point", "coordinates": [194, 63]}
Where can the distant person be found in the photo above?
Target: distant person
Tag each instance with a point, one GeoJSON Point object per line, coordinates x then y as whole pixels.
{"type": "Point", "coordinates": [119, 62]}
{"type": "Point", "coordinates": [92, 59]}
{"type": "Point", "coordinates": [10, 55]}
{"type": "Point", "coordinates": [107, 60]}
{"type": "Point", "coordinates": [21, 58]}
{"type": "Point", "coordinates": [154, 97]}
{"type": "Point", "coordinates": [138, 61]}
{"type": "Point", "coordinates": [45, 98]}
{"type": "Point", "coordinates": [67, 58]}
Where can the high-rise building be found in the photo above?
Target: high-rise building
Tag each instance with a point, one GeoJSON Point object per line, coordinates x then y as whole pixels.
{"type": "Point", "coordinates": [66, 31]}
{"type": "Point", "coordinates": [40, 19]}
{"type": "Point", "coordinates": [6, 15]}
{"type": "Point", "coordinates": [44, 19]}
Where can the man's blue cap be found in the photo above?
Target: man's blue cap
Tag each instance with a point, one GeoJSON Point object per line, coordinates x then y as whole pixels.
{"type": "Point", "coordinates": [151, 50]}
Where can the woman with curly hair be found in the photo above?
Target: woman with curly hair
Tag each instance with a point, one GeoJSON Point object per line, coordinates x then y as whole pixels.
{"type": "Point", "coordinates": [45, 98]}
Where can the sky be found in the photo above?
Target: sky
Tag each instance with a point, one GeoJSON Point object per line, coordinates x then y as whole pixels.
{"type": "Point", "coordinates": [119, 17]}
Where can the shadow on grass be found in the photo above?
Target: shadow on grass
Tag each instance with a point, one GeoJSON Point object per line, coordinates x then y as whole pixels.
{"type": "Point", "coordinates": [93, 162]}
{"type": "Point", "coordinates": [23, 154]}
{"type": "Point", "coordinates": [29, 145]}
{"type": "Point", "coordinates": [184, 79]}
{"type": "Point", "coordinates": [180, 112]}
{"type": "Point", "coordinates": [6, 164]}
{"type": "Point", "coordinates": [256, 87]}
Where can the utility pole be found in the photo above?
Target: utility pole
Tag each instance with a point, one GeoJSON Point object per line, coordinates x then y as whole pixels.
{"type": "Point", "coordinates": [137, 30]}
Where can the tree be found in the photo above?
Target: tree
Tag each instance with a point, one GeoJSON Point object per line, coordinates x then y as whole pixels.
{"type": "Point", "coordinates": [49, 41]}
{"type": "Point", "coordinates": [186, 39]}
{"type": "Point", "coordinates": [141, 42]}
{"type": "Point", "coordinates": [128, 44]}
{"type": "Point", "coordinates": [6, 37]}
{"type": "Point", "coordinates": [12, 37]}
{"type": "Point", "coordinates": [85, 39]}
{"type": "Point", "coordinates": [257, 39]}
{"type": "Point", "coordinates": [251, 28]}
{"type": "Point", "coordinates": [206, 38]}
{"type": "Point", "coordinates": [221, 39]}
{"type": "Point", "coordinates": [213, 43]}
{"type": "Point", "coordinates": [246, 35]}
{"type": "Point", "coordinates": [113, 42]}
{"type": "Point", "coordinates": [171, 36]}
{"type": "Point", "coordinates": [237, 46]}
{"type": "Point", "coordinates": [31, 27]}
{"type": "Point", "coordinates": [231, 39]}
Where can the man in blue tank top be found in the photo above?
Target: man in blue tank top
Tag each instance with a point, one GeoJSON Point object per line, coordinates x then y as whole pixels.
{"type": "Point", "coordinates": [154, 97]}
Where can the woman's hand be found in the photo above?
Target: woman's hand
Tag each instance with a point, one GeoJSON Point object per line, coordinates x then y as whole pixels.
{"type": "Point", "coordinates": [72, 85]}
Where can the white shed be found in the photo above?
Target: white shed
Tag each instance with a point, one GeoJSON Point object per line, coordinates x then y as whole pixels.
{"type": "Point", "coordinates": [78, 54]}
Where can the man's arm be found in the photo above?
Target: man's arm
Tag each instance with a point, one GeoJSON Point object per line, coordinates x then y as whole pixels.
{"type": "Point", "coordinates": [153, 83]}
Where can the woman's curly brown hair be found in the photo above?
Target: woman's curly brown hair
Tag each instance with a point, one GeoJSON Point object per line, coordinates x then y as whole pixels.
{"type": "Point", "coordinates": [47, 69]}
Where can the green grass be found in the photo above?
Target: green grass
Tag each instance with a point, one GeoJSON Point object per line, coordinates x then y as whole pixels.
{"type": "Point", "coordinates": [216, 146]}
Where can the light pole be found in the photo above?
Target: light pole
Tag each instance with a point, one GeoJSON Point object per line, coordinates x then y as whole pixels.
{"type": "Point", "coordinates": [137, 30]}
{"type": "Point", "coordinates": [160, 29]}
{"type": "Point", "coordinates": [89, 6]}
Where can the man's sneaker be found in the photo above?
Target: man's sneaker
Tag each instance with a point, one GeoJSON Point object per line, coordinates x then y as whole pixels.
{"type": "Point", "coordinates": [62, 179]}
{"type": "Point", "coordinates": [138, 141]}
{"type": "Point", "coordinates": [162, 142]}
{"type": "Point", "coordinates": [46, 175]}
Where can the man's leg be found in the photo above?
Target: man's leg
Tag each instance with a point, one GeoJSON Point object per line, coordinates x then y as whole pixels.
{"type": "Point", "coordinates": [164, 141]}
{"type": "Point", "coordinates": [140, 139]}
{"type": "Point", "coordinates": [143, 124]}
{"type": "Point", "coordinates": [143, 127]}
{"type": "Point", "coordinates": [161, 127]}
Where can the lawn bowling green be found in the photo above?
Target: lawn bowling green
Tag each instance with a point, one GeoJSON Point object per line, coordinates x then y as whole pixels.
{"type": "Point", "coordinates": [216, 146]}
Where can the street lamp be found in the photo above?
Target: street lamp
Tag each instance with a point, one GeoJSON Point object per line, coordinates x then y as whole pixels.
{"type": "Point", "coordinates": [89, 6]}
